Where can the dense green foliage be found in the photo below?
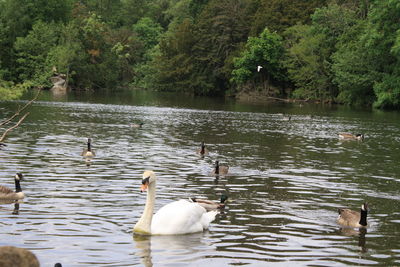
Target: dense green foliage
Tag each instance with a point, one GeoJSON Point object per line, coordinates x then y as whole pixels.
{"type": "Point", "coordinates": [263, 53]}
{"type": "Point", "coordinates": [345, 51]}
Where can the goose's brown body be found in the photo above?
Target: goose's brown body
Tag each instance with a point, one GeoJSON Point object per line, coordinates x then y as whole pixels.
{"type": "Point", "coordinates": [209, 204]}
{"type": "Point", "coordinates": [7, 193]}
{"type": "Point", "coordinates": [88, 152]}
{"type": "Point", "coordinates": [351, 218]}
{"type": "Point", "coordinates": [203, 151]}
{"type": "Point", "coordinates": [349, 136]}
{"type": "Point", "coordinates": [220, 169]}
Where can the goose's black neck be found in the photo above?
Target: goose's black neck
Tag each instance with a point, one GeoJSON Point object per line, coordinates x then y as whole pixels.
{"type": "Point", "coordinates": [88, 146]}
{"type": "Point", "coordinates": [363, 217]}
{"type": "Point", "coordinates": [202, 151]}
{"type": "Point", "coordinates": [17, 186]}
{"type": "Point", "coordinates": [217, 167]}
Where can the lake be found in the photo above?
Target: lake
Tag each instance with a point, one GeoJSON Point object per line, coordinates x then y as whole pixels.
{"type": "Point", "coordinates": [286, 181]}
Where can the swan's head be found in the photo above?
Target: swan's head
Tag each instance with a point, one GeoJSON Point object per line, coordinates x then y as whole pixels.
{"type": "Point", "coordinates": [19, 176]}
{"type": "Point", "coordinates": [148, 178]}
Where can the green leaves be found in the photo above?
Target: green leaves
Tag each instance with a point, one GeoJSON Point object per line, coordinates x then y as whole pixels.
{"type": "Point", "coordinates": [265, 51]}
{"type": "Point", "coordinates": [366, 63]}
{"type": "Point", "coordinates": [310, 52]}
{"type": "Point", "coordinates": [32, 52]}
{"type": "Point", "coordinates": [348, 53]}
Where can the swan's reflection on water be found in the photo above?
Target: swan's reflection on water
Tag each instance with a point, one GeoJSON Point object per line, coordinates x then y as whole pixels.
{"type": "Point", "coordinates": [168, 247]}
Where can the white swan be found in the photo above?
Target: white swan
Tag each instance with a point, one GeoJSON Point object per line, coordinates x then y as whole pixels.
{"type": "Point", "coordinates": [178, 217]}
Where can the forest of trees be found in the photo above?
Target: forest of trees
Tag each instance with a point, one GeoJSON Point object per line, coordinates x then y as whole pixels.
{"type": "Point", "coordinates": [336, 51]}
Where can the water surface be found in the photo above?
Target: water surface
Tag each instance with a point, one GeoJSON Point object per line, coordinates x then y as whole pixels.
{"type": "Point", "coordinates": [286, 181]}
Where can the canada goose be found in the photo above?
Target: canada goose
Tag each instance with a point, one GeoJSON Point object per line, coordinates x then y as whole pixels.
{"type": "Point", "coordinates": [308, 117]}
{"type": "Point", "coordinates": [17, 257]}
{"type": "Point", "coordinates": [203, 151]}
{"type": "Point", "coordinates": [220, 169]}
{"type": "Point", "coordinates": [137, 125]}
{"type": "Point", "coordinates": [352, 218]}
{"type": "Point", "coordinates": [349, 136]}
{"type": "Point", "coordinates": [7, 193]}
{"type": "Point", "coordinates": [88, 152]}
{"type": "Point", "coordinates": [209, 204]}
{"type": "Point", "coordinates": [286, 118]}
{"type": "Point", "coordinates": [178, 217]}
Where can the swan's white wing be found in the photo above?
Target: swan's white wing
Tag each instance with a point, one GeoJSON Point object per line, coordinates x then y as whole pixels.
{"type": "Point", "coordinates": [180, 217]}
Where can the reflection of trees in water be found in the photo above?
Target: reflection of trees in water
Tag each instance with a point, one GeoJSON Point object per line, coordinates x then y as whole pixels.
{"type": "Point", "coordinates": [170, 245]}
{"type": "Point", "coordinates": [361, 232]}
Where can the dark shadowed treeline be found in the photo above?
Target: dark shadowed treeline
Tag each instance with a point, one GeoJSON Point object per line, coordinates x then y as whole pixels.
{"type": "Point", "coordinates": [320, 50]}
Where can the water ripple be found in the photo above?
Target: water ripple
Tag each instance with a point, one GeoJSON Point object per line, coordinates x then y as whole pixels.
{"type": "Point", "coordinates": [287, 179]}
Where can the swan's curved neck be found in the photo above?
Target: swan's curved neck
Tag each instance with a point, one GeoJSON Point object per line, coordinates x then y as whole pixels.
{"type": "Point", "coordinates": [143, 226]}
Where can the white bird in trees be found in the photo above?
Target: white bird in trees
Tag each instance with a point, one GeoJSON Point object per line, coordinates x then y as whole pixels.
{"type": "Point", "coordinates": [259, 68]}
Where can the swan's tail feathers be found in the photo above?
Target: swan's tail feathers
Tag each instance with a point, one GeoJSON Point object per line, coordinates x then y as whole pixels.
{"type": "Point", "coordinates": [208, 217]}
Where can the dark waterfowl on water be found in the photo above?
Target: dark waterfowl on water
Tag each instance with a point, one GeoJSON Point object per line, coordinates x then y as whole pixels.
{"type": "Point", "coordinates": [209, 204]}
{"type": "Point", "coordinates": [349, 136]}
{"type": "Point", "coordinates": [136, 125]}
{"type": "Point", "coordinates": [353, 218]}
{"type": "Point", "coordinates": [88, 152]}
{"type": "Point", "coordinates": [8, 194]}
{"type": "Point", "coordinates": [220, 169]}
{"type": "Point", "coordinates": [203, 151]}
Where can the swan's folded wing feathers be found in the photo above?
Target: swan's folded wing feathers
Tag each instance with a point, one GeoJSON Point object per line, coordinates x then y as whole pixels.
{"type": "Point", "coordinates": [179, 217]}
{"type": "Point", "coordinates": [207, 218]}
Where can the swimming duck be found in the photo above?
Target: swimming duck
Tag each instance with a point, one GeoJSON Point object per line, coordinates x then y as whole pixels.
{"type": "Point", "coordinates": [88, 152]}
{"type": "Point", "coordinates": [7, 193]}
{"type": "Point", "coordinates": [203, 151]}
{"type": "Point", "coordinates": [209, 204]}
{"type": "Point", "coordinates": [178, 217]}
{"type": "Point", "coordinates": [349, 136]}
{"type": "Point", "coordinates": [352, 218]}
{"type": "Point", "coordinates": [220, 169]}
{"type": "Point", "coordinates": [137, 125]}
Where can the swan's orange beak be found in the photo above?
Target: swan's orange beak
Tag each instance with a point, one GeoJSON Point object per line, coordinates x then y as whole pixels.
{"type": "Point", "coordinates": [144, 187]}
